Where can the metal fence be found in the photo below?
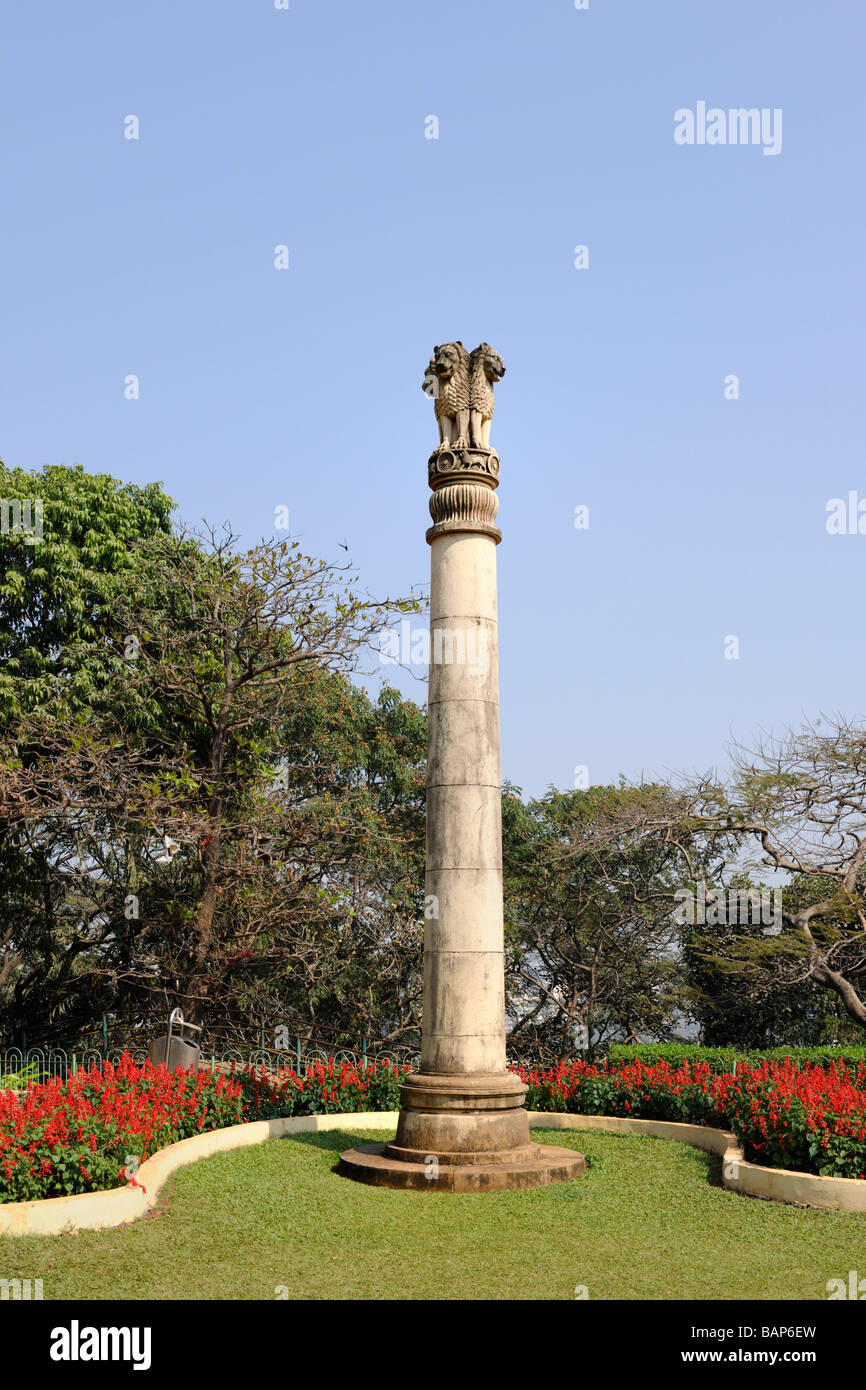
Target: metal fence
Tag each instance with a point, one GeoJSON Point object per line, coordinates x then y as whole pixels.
{"type": "Point", "coordinates": [20, 1064]}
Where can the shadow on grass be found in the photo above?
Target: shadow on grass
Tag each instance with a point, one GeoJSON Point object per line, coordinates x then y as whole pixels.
{"type": "Point", "coordinates": [336, 1140]}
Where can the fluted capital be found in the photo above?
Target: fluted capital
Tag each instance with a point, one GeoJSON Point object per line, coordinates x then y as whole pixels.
{"type": "Point", "coordinates": [463, 480]}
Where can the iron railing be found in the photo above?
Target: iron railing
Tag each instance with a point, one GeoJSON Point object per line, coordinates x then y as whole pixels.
{"type": "Point", "coordinates": [48, 1060]}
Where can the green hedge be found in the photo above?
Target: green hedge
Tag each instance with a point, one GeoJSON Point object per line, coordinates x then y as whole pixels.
{"type": "Point", "coordinates": [723, 1058]}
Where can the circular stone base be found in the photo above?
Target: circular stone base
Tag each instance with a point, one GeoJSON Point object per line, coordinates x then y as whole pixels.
{"type": "Point", "coordinates": [485, 1159]}
{"type": "Point", "coordinates": [370, 1163]}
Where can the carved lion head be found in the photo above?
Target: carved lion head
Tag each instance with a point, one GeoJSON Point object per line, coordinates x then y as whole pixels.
{"type": "Point", "coordinates": [494, 367]}
{"type": "Point", "coordinates": [446, 359]}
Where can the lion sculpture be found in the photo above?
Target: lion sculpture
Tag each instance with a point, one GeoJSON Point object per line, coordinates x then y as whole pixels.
{"type": "Point", "coordinates": [447, 381]}
{"type": "Point", "coordinates": [461, 385]}
{"type": "Point", "coordinates": [486, 366]}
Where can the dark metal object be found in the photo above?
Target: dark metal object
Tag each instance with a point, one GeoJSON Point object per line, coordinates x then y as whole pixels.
{"type": "Point", "coordinates": [172, 1051]}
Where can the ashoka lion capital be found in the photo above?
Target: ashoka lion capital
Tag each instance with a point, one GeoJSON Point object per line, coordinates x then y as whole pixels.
{"type": "Point", "coordinates": [463, 470]}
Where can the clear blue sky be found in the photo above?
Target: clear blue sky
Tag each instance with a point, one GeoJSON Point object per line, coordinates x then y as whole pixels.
{"type": "Point", "coordinates": [261, 387]}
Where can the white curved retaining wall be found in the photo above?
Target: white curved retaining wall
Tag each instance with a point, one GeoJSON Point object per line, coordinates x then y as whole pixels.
{"type": "Point", "coordinates": [780, 1184]}
{"type": "Point", "coordinates": [93, 1211]}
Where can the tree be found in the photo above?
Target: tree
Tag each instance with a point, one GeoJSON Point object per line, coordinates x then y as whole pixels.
{"type": "Point", "coordinates": [227, 647]}
{"type": "Point", "coordinates": [801, 802]}
{"type": "Point", "coordinates": [591, 943]}
{"type": "Point", "coordinates": [742, 986]}
{"type": "Point", "coordinates": [57, 591]}
{"type": "Point", "coordinates": [214, 784]}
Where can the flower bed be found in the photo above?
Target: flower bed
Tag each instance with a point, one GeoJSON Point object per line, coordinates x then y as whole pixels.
{"type": "Point", "coordinates": [810, 1119]}
{"type": "Point", "coordinates": [90, 1133]}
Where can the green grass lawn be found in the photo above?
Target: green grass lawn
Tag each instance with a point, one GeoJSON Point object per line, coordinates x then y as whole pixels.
{"type": "Point", "coordinates": [648, 1220]}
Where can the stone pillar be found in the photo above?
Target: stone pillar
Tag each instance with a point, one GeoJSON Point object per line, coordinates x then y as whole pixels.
{"type": "Point", "coordinates": [462, 1126]}
{"type": "Point", "coordinates": [463, 1105]}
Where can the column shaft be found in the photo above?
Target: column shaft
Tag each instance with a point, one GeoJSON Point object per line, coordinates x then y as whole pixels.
{"type": "Point", "coordinates": [464, 1003]}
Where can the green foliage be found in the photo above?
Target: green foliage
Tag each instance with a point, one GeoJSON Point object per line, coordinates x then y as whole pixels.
{"type": "Point", "coordinates": [748, 986]}
{"type": "Point", "coordinates": [799, 802]}
{"type": "Point", "coordinates": [589, 882]}
{"type": "Point", "coordinates": [56, 595]}
{"type": "Point", "coordinates": [18, 1080]}
{"type": "Point", "coordinates": [722, 1059]}
{"type": "Point", "coordinates": [173, 687]}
